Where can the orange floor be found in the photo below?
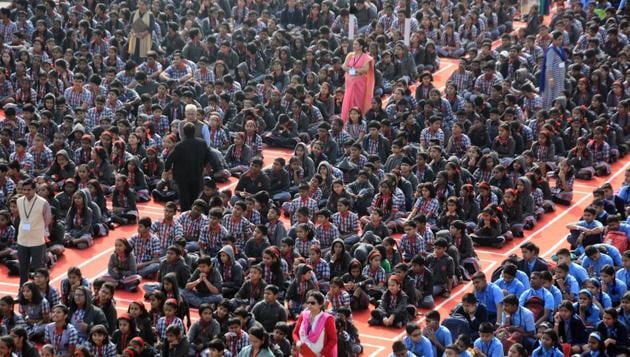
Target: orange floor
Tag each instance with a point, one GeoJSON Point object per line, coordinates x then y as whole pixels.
{"type": "Point", "coordinates": [547, 234]}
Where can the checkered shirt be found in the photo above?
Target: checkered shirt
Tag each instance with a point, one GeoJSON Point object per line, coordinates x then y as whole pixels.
{"type": "Point", "coordinates": [219, 138]}
{"type": "Point", "coordinates": [162, 324]}
{"type": "Point", "coordinates": [338, 301]}
{"type": "Point", "coordinates": [429, 208]}
{"type": "Point", "coordinates": [255, 143]}
{"type": "Point", "coordinates": [241, 229]}
{"type": "Point", "coordinates": [76, 99]}
{"type": "Point", "coordinates": [176, 73]}
{"type": "Point", "coordinates": [355, 130]}
{"type": "Point", "coordinates": [347, 224]}
{"type": "Point", "coordinates": [167, 233]}
{"type": "Point", "coordinates": [204, 77]}
{"type": "Point", "coordinates": [7, 31]}
{"type": "Point", "coordinates": [483, 85]}
{"type": "Point", "coordinates": [145, 249]}
{"type": "Point", "coordinates": [191, 227]}
{"type": "Point", "coordinates": [326, 234]}
{"type": "Point", "coordinates": [297, 203]}
{"type": "Point", "coordinates": [109, 350]}
{"type": "Point", "coordinates": [160, 124]}
{"type": "Point", "coordinates": [303, 247]}
{"type": "Point", "coordinates": [426, 136]}
{"type": "Point", "coordinates": [601, 153]}
{"type": "Point", "coordinates": [149, 70]}
{"type": "Point", "coordinates": [41, 159]}
{"type": "Point", "coordinates": [378, 276]}
{"type": "Point", "coordinates": [212, 238]}
{"type": "Point", "coordinates": [26, 161]}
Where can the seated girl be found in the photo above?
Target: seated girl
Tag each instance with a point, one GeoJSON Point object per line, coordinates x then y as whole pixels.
{"type": "Point", "coordinates": [62, 168]}
{"type": "Point", "coordinates": [136, 179]}
{"type": "Point", "coordinates": [36, 310]}
{"type": "Point", "coordinates": [298, 289]}
{"type": "Point", "coordinates": [238, 155]}
{"type": "Point", "coordinates": [8, 246]}
{"type": "Point", "coordinates": [488, 230]}
{"type": "Point", "coordinates": [99, 343]}
{"type": "Point", "coordinates": [392, 310]}
{"type": "Point", "coordinates": [152, 166]}
{"type": "Point", "coordinates": [124, 209]}
{"type": "Point", "coordinates": [512, 212]}
{"type": "Point", "coordinates": [121, 269]}
{"type": "Point", "coordinates": [79, 222]}
{"type": "Point", "coordinates": [581, 159]}
{"type": "Point", "coordinates": [562, 193]}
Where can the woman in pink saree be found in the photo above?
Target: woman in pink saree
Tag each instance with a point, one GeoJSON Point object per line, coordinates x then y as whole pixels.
{"type": "Point", "coordinates": [359, 80]}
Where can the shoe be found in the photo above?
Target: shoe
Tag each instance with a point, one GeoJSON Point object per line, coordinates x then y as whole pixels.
{"type": "Point", "coordinates": [372, 322]}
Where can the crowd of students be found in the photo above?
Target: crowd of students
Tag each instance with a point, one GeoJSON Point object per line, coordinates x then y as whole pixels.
{"type": "Point", "coordinates": [96, 94]}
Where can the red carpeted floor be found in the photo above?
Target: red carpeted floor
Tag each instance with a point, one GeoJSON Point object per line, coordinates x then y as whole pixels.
{"type": "Point", "coordinates": [547, 234]}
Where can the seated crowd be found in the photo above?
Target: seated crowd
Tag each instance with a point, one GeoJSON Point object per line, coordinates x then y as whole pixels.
{"type": "Point", "coordinates": [380, 212]}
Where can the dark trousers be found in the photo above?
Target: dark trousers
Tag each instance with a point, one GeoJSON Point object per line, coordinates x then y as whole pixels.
{"type": "Point", "coordinates": [189, 191]}
{"type": "Point", "coordinates": [30, 258]}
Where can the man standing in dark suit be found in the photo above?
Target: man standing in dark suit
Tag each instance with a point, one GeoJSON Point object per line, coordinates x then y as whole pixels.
{"type": "Point", "coordinates": [187, 161]}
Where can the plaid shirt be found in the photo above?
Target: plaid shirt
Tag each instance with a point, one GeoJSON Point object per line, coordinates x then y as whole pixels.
{"type": "Point", "coordinates": [397, 204]}
{"type": "Point", "coordinates": [460, 144]}
{"type": "Point", "coordinates": [378, 276]}
{"type": "Point", "coordinates": [109, 350]}
{"type": "Point", "coordinates": [61, 342]}
{"type": "Point", "coordinates": [482, 175]}
{"type": "Point", "coordinates": [303, 247]}
{"type": "Point", "coordinates": [338, 301]}
{"type": "Point", "coordinates": [148, 69]}
{"type": "Point", "coordinates": [82, 156]}
{"type": "Point", "coordinates": [426, 136]}
{"type": "Point", "coordinates": [124, 78]}
{"type": "Point", "coordinates": [532, 105]}
{"type": "Point", "coordinates": [41, 159]}
{"type": "Point", "coordinates": [321, 269]}
{"type": "Point", "coordinates": [410, 249]}
{"type": "Point", "coordinates": [483, 85]}
{"type": "Point", "coordinates": [400, 25]}
{"type": "Point", "coordinates": [355, 130]}
{"type": "Point", "coordinates": [601, 152]}
{"type": "Point", "coordinates": [429, 208]}
{"type": "Point", "coordinates": [145, 249]}
{"type": "Point", "coordinates": [25, 160]}
{"type": "Point", "coordinates": [235, 343]}
{"type": "Point", "coordinates": [7, 31]}
{"type": "Point", "coordinates": [6, 87]}
{"type": "Point", "coordinates": [462, 81]}
{"type": "Point", "coordinates": [204, 76]}
{"type": "Point", "coordinates": [218, 138]}
{"type": "Point", "coordinates": [240, 228]}
{"type": "Point", "coordinates": [347, 224]}
{"type": "Point", "coordinates": [93, 117]}
{"type": "Point", "coordinates": [298, 203]}
{"type": "Point", "coordinates": [162, 324]}
{"type": "Point", "coordinates": [21, 128]}
{"type": "Point", "coordinates": [176, 73]}
{"type": "Point", "coordinates": [253, 217]}
{"type": "Point", "coordinates": [160, 124]}
{"type": "Point", "coordinates": [76, 99]}
{"type": "Point", "coordinates": [255, 143]}
{"type": "Point", "coordinates": [212, 238]}
{"type": "Point", "coordinates": [340, 138]}
{"type": "Point", "coordinates": [191, 227]}
{"type": "Point", "coordinates": [167, 233]}
{"type": "Point", "coordinates": [326, 234]}
{"type": "Point", "coordinates": [23, 97]}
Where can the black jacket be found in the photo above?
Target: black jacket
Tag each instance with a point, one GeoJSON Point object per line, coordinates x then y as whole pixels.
{"type": "Point", "coordinates": [188, 159]}
{"type": "Point", "coordinates": [579, 335]}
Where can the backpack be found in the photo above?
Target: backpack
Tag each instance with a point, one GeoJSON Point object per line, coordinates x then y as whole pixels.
{"type": "Point", "coordinates": [457, 324]}
{"type": "Point", "coordinates": [617, 239]}
{"type": "Point", "coordinates": [536, 305]}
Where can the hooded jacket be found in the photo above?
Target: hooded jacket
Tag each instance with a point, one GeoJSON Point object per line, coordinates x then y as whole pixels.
{"type": "Point", "coordinates": [525, 198]}
{"type": "Point", "coordinates": [139, 182]}
{"type": "Point", "coordinates": [236, 276]}
{"type": "Point", "coordinates": [56, 173]}
{"type": "Point", "coordinates": [85, 218]}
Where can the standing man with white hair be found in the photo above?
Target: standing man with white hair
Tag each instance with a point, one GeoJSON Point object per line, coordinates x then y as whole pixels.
{"type": "Point", "coordinates": [191, 115]}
